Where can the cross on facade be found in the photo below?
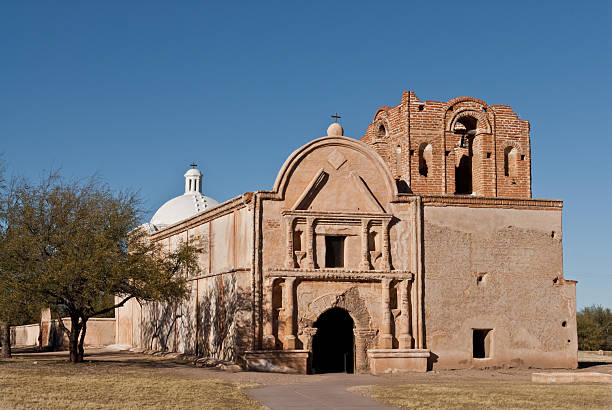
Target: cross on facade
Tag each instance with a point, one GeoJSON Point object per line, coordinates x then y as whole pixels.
{"type": "Point", "coordinates": [193, 164]}
{"type": "Point", "coordinates": [336, 116]}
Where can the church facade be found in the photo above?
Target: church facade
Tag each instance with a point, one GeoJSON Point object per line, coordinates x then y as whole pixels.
{"type": "Point", "coordinates": [417, 247]}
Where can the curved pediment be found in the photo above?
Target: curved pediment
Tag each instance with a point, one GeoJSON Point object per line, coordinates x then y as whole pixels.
{"type": "Point", "coordinates": [336, 174]}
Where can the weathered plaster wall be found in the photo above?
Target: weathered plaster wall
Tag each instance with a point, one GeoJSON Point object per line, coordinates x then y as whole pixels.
{"type": "Point", "coordinates": [100, 332]}
{"type": "Point", "coordinates": [215, 319]}
{"type": "Point", "coordinates": [499, 269]}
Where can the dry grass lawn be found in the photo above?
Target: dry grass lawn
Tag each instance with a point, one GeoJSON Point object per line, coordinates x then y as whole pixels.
{"type": "Point", "coordinates": [99, 385]}
{"type": "Point", "coordinates": [492, 394]}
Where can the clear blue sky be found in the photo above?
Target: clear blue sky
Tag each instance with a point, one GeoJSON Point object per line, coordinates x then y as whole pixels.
{"type": "Point", "coordinates": [137, 90]}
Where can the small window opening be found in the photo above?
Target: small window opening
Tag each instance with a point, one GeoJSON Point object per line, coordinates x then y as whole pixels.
{"type": "Point", "coordinates": [564, 323]}
{"type": "Point", "coordinates": [421, 107]}
{"type": "Point", "coordinates": [522, 158]}
{"type": "Point", "coordinates": [425, 157]}
{"type": "Point", "coordinates": [482, 343]}
{"type": "Point", "coordinates": [334, 251]}
{"type": "Point", "coordinates": [382, 132]}
{"type": "Point", "coordinates": [484, 109]}
{"type": "Point", "coordinates": [411, 152]}
{"type": "Point", "coordinates": [510, 155]}
{"type": "Point", "coordinates": [447, 153]}
{"type": "Point", "coordinates": [555, 280]}
{"type": "Point", "coordinates": [488, 155]}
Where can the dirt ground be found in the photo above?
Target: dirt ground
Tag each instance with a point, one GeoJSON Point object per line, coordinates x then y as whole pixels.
{"type": "Point", "coordinates": [402, 390]}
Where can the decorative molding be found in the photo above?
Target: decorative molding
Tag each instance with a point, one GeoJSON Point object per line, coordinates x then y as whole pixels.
{"type": "Point", "coordinates": [315, 184]}
{"type": "Point", "coordinates": [365, 190]}
{"type": "Point", "coordinates": [460, 200]}
{"type": "Point", "coordinates": [335, 215]}
{"type": "Point", "coordinates": [341, 274]}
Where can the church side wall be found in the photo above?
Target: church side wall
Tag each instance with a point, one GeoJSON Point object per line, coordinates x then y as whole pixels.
{"type": "Point", "coordinates": [215, 319]}
{"type": "Point", "coordinates": [499, 270]}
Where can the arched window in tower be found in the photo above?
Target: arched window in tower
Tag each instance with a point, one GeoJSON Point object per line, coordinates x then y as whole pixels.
{"type": "Point", "coordinates": [510, 161]}
{"type": "Point", "coordinates": [425, 158]}
{"type": "Point", "coordinates": [382, 132]}
{"type": "Point", "coordinates": [465, 129]}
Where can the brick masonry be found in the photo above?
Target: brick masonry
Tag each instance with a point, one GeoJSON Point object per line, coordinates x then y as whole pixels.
{"type": "Point", "coordinates": [497, 145]}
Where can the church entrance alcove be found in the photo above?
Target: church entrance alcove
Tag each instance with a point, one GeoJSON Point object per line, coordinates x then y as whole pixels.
{"type": "Point", "coordinates": [333, 345]}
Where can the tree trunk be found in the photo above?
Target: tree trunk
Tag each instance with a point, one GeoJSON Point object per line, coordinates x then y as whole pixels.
{"type": "Point", "coordinates": [73, 340]}
{"type": "Point", "coordinates": [6, 339]}
{"type": "Point", "coordinates": [82, 338]}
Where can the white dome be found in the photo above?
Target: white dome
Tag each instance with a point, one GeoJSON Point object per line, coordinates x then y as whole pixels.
{"type": "Point", "coordinates": [181, 208]}
{"type": "Point", "coordinates": [194, 172]}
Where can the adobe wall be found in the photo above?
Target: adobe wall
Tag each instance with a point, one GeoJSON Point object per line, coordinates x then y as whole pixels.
{"type": "Point", "coordinates": [400, 134]}
{"type": "Point", "coordinates": [100, 332]}
{"type": "Point", "coordinates": [499, 269]}
{"type": "Point", "coordinates": [216, 319]}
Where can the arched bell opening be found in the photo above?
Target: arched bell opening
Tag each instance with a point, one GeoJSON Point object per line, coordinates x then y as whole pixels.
{"type": "Point", "coordinates": [465, 128]}
{"type": "Point", "coordinates": [333, 346]}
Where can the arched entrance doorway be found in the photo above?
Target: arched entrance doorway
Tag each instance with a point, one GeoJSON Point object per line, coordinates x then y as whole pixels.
{"type": "Point", "coordinates": [333, 344]}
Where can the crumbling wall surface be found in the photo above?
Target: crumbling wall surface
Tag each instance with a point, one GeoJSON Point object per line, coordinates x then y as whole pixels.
{"type": "Point", "coordinates": [498, 269]}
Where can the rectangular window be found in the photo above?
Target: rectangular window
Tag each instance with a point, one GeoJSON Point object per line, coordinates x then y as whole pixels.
{"type": "Point", "coordinates": [482, 343]}
{"type": "Point", "coordinates": [334, 251]}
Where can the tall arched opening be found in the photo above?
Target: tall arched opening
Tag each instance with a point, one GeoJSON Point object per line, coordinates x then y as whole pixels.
{"type": "Point", "coordinates": [333, 346]}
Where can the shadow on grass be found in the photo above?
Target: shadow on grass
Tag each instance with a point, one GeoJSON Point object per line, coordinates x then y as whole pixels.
{"type": "Point", "coordinates": [105, 358]}
{"type": "Point", "coordinates": [586, 365]}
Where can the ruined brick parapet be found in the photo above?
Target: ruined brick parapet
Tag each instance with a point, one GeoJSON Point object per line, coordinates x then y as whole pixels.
{"type": "Point", "coordinates": [463, 146]}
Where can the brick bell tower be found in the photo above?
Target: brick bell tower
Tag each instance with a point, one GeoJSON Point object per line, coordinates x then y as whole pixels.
{"type": "Point", "coordinates": [460, 147]}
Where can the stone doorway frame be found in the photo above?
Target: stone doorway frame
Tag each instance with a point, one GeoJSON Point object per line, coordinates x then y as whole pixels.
{"type": "Point", "coordinates": [355, 306]}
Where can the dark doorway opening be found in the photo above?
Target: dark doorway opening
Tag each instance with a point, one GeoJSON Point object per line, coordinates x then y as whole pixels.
{"type": "Point", "coordinates": [481, 345]}
{"type": "Point", "coordinates": [334, 251]}
{"type": "Point", "coordinates": [333, 344]}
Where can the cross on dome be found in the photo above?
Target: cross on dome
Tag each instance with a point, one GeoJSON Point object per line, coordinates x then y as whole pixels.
{"type": "Point", "coordinates": [335, 129]}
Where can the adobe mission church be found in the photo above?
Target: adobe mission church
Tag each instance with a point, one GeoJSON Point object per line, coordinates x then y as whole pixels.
{"type": "Point", "coordinates": [417, 247]}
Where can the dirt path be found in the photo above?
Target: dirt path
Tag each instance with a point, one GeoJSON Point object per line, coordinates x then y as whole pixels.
{"type": "Point", "coordinates": [330, 393]}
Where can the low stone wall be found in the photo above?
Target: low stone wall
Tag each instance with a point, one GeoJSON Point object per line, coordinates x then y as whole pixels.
{"type": "Point", "coordinates": [100, 332]}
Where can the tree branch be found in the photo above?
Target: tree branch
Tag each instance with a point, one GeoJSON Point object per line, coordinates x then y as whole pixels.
{"type": "Point", "coordinates": [108, 309]}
